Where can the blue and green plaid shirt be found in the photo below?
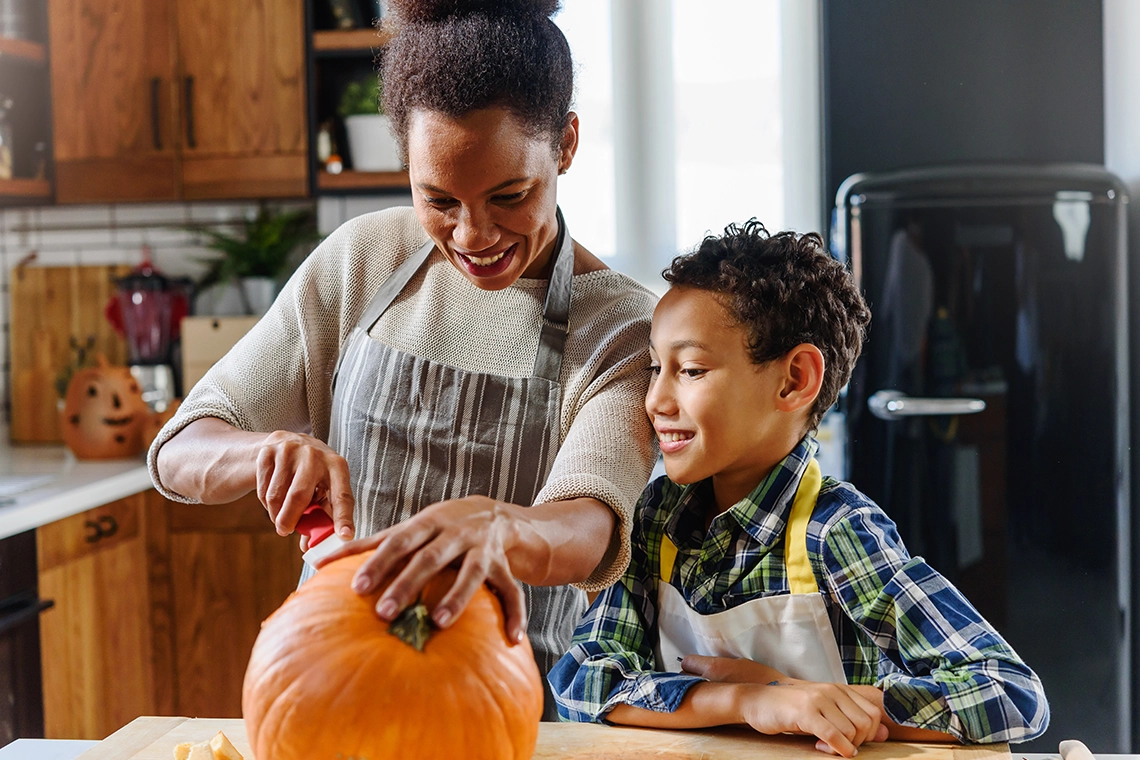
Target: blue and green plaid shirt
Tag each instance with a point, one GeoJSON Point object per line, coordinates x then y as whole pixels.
{"type": "Point", "coordinates": [899, 624]}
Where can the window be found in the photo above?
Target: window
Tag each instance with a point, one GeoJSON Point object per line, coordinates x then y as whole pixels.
{"type": "Point", "coordinates": [694, 115]}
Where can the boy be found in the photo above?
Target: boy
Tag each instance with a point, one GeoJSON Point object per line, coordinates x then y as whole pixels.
{"type": "Point", "coordinates": [789, 601]}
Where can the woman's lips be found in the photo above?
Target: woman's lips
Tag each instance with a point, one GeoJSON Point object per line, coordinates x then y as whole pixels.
{"type": "Point", "coordinates": [488, 266]}
{"type": "Point", "coordinates": [672, 441]}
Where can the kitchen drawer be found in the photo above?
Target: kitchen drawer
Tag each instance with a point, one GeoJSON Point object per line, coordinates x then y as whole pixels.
{"type": "Point", "coordinates": [207, 339]}
{"type": "Point", "coordinates": [88, 533]}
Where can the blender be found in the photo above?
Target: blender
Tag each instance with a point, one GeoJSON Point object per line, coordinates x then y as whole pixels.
{"type": "Point", "coordinates": [147, 309]}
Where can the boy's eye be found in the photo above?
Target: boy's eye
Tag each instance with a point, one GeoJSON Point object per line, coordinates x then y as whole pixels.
{"type": "Point", "coordinates": [655, 369]}
{"type": "Point", "coordinates": [693, 373]}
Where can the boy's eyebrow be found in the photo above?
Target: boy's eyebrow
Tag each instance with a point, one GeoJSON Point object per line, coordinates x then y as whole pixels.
{"type": "Point", "coordinates": [677, 345]}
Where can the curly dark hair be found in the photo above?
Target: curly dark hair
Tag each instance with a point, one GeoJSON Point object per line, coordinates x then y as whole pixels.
{"type": "Point", "coordinates": [459, 56]}
{"type": "Point", "coordinates": [785, 290]}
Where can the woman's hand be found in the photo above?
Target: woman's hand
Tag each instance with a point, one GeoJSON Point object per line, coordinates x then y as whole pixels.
{"type": "Point", "coordinates": [295, 471]}
{"type": "Point", "coordinates": [476, 531]}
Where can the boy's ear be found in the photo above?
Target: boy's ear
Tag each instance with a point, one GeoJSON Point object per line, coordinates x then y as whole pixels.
{"type": "Point", "coordinates": [802, 378]}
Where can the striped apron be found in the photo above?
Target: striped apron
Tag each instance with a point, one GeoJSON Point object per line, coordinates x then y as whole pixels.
{"type": "Point", "coordinates": [415, 432]}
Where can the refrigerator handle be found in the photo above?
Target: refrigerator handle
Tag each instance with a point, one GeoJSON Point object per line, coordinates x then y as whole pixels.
{"type": "Point", "coordinates": [893, 405]}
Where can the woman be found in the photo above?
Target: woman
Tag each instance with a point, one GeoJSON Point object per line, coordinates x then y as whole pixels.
{"type": "Point", "coordinates": [464, 360]}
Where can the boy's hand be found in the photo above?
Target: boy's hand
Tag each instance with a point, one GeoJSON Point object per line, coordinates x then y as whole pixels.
{"type": "Point", "coordinates": [838, 716]}
{"type": "Point", "coordinates": [733, 670]}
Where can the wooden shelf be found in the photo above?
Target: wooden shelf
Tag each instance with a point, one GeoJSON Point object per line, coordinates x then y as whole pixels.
{"type": "Point", "coordinates": [25, 188]}
{"type": "Point", "coordinates": [23, 49]}
{"type": "Point", "coordinates": [348, 40]}
{"type": "Point", "coordinates": [350, 180]}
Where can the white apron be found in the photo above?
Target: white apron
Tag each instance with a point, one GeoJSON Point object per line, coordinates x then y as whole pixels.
{"type": "Point", "coordinates": [790, 633]}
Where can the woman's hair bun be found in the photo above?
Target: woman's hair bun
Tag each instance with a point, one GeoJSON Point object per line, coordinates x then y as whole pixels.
{"type": "Point", "coordinates": [429, 11]}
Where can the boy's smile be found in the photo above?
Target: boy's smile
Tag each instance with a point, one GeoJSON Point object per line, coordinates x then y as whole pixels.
{"type": "Point", "coordinates": [717, 414]}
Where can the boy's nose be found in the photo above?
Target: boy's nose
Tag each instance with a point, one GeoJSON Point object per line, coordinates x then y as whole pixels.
{"type": "Point", "coordinates": [659, 400]}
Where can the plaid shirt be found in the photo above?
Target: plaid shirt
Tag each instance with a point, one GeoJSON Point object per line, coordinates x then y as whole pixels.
{"type": "Point", "coordinates": [899, 624]}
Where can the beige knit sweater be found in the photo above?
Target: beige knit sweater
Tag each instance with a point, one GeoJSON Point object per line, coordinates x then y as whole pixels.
{"type": "Point", "coordinates": [279, 376]}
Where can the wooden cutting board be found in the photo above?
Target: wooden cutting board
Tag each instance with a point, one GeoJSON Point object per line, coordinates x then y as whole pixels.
{"type": "Point", "coordinates": [49, 307]}
{"type": "Point", "coordinates": [154, 739]}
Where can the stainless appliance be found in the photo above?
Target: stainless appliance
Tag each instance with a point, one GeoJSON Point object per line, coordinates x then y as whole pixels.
{"type": "Point", "coordinates": [21, 690]}
{"type": "Point", "coordinates": [989, 413]}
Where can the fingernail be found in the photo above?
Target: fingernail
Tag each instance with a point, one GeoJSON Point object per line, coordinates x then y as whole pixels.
{"type": "Point", "coordinates": [361, 584]}
{"type": "Point", "coordinates": [345, 531]}
{"type": "Point", "coordinates": [386, 609]}
{"type": "Point", "coordinates": [442, 617]}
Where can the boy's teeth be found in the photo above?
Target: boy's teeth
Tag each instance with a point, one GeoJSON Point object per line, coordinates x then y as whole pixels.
{"type": "Point", "coordinates": [673, 437]}
{"type": "Point", "coordinates": [486, 262]}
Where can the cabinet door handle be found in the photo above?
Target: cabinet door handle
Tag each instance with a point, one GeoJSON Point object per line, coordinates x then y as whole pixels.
{"type": "Point", "coordinates": [94, 532]}
{"type": "Point", "coordinates": [190, 139]}
{"type": "Point", "coordinates": [155, 121]}
{"type": "Point", "coordinates": [108, 526]}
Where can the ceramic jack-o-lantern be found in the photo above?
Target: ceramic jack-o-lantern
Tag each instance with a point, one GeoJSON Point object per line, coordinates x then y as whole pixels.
{"type": "Point", "coordinates": [103, 413]}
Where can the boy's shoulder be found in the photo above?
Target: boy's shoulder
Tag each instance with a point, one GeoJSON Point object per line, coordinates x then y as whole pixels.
{"type": "Point", "coordinates": [843, 508]}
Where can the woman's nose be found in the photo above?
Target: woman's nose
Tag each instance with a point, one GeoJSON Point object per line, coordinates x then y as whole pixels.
{"type": "Point", "coordinates": [475, 231]}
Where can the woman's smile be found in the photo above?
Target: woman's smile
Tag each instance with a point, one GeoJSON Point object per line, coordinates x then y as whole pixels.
{"type": "Point", "coordinates": [489, 264]}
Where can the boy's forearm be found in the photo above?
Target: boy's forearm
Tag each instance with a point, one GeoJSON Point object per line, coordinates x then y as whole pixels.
{"type": "Point", "coordinates": [704, 705]}
{"type": "Point", "coordinates": [897, 732]}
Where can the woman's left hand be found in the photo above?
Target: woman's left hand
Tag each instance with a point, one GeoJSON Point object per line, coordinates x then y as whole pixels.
{"type": "Point", "coordinates": [476, 530]}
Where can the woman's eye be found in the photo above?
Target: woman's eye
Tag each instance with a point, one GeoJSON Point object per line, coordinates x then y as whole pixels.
{"type": "Point", "coordinates": [511, 198]}
{"type": "Point", "coordinates": [438, 202]}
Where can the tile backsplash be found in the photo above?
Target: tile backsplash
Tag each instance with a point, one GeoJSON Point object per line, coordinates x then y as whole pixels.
{"type": "Point", "coordinates": [116, 234]}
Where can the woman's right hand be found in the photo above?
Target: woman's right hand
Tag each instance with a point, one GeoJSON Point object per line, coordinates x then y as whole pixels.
{"type": "Point", "coordinates": [294, 471]}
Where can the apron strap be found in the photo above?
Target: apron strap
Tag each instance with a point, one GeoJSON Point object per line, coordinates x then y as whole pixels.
{"type": "Point", "coordinates": [392, 286]}
{"type": "Point", "coordinates": [801, 579]}
{"type": "Point", "coordinates": [556, 310]}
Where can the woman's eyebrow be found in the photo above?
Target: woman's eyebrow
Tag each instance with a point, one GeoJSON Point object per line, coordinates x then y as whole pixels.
{"type": "Point", "coordinates": [495, 189]}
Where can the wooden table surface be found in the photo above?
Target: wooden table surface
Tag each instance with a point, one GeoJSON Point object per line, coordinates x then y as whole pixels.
{"type": "Point", "coordinates": [154, 739]}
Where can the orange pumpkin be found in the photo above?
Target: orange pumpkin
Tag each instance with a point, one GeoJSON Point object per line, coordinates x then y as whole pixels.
{"type": "Point", "coordinates": [103, 413]}
{"type": "Point", "coordinates": [329, 679]}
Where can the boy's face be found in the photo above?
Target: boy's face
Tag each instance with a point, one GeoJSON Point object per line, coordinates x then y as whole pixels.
{"type": "Point", "coordinates": [714, 410]}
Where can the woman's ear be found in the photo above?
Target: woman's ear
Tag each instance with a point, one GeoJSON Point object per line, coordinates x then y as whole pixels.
{"type": "Point", "coordinates": [802, 378]}
{"type": "Point", "coordinates": [569, 144]}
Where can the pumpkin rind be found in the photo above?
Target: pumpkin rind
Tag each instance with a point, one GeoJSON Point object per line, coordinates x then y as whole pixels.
{"type": "Point", "coordinates": [326, 679]}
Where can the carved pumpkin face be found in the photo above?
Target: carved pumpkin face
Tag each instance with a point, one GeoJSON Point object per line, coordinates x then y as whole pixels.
{"type": "Point", "coordinates": [103, 413]}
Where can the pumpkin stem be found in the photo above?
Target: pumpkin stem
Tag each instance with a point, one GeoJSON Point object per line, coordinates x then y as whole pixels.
{"type": "Point", "coordinates": [413, 626]}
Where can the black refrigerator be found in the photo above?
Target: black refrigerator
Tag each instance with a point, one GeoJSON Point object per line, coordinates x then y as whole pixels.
{"type": "Point", "coordinates": [989, 412]}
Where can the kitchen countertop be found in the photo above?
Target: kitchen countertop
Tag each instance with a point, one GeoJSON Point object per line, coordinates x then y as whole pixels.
{"type": "Point", "coordinates": [42, 484]}
{"type": "Point", "coordinates": [46, 749]}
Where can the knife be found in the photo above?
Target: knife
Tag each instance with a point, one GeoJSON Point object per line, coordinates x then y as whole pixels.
{"type": "Point", "coordinates": [323, 541]}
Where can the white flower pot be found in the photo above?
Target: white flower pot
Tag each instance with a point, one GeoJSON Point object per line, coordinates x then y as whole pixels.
{"type": "Point", "coordinates": [224, 300]}
{"type": "Point", "coordinates": [371, 145]}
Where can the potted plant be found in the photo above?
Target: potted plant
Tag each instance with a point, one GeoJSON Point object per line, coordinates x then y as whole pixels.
{"type": "Point", "coordinates": [370, 141]}
{"type": "Point", "coordinates": [253, 260]}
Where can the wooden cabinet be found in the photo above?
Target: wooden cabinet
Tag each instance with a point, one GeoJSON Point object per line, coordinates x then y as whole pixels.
{"type": "Point", "coordinates": [94, 643]}
{"type": "Point", "coordinates": [168, 99]}
{"type": "Point", "coordinates": [157, 606]}
{"type": "Point", "coordinates": [113, 100]}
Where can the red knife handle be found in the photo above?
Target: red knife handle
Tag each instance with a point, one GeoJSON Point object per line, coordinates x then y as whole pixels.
{"type": "Point", "coordinates": [316, 524]}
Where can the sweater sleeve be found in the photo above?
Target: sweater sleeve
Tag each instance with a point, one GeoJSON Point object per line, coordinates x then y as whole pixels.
{"type": "Point", "coordinates": [608, 447]}
{"type": "Point", "coordinates": [955, 673]}
{"type": "Point", "coordinates": [279, 375]}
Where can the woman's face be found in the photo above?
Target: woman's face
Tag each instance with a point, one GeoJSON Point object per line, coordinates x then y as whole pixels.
{"type": "Point", "coordinates": [484, 190]}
